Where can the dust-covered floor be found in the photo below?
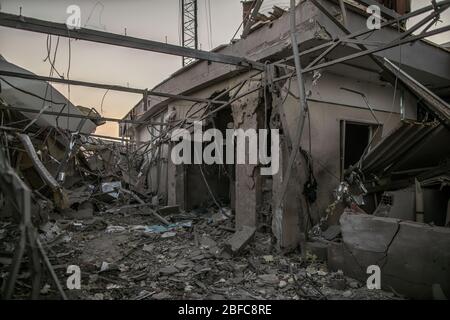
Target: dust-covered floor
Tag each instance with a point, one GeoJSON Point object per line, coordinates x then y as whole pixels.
{"type": "Point", "coordinates": [130, 255]}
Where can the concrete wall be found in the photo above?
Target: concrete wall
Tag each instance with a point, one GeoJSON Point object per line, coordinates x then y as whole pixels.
{"type": "Point", "coordinates": [328, 105]}
{"type": "Point", "coordinates": [247, 114]}
{"type": "Point", "coordinates": [413, 257]}
{"type": "Point", "coordinates": [173, 181]}
{"type": "Point", "coordinates": [157, 178]}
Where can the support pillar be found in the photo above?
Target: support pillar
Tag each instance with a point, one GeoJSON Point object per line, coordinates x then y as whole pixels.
{"type": "Point", "coordinates": [248, 187]}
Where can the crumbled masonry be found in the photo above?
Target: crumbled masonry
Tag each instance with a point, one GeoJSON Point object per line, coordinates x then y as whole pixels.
{"type": "Point", "coordinates": [122, 258]}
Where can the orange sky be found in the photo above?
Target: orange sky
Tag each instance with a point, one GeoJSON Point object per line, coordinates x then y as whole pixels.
{"type": "Point", "coordinates": [93, 62]}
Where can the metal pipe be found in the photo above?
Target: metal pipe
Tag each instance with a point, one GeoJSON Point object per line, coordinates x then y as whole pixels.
{"type": "Point", "coordinates": [60, 29]}
{"type": "Point", "coordinates": [103, 86]}
{"type": "Point", "coordinates": [251, 19]}
{"type": "Point", "coordinates": [370, 51]}
{"type": "Point", "coordinates": [366, 31]}
{"type": "Point", "coordinates": [344, 13]}
{"type": "Point", "coordinates": [81, 116]}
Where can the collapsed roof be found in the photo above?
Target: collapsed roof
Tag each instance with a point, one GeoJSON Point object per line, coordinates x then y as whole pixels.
{"type": "Point", "coordinates": [23, 94]}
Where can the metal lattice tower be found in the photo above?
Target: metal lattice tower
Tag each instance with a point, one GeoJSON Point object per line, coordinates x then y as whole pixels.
{"type": "Point", "coordinates": [189, 27]}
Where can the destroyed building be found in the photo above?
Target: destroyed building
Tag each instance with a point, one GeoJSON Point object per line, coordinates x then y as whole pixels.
{"type": "Point", "coordinates": [363, 118]}
{"type": "Point", "coordinates": [350, 105]}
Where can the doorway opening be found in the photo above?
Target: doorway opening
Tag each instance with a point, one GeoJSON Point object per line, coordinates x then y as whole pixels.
{"type": "Point", "coordinates": [355, 138]}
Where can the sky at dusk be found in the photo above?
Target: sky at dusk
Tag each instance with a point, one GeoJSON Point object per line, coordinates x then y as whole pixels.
{"type": "Point", "coordinates": [150, 19]}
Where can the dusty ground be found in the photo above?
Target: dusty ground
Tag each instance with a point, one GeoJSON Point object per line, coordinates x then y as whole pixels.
{"type": "Point", "coordinates": [188, 262]}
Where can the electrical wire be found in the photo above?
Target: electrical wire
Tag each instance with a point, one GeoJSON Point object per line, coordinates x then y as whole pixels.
{"type": "Point", "coordinates": [48, 57]}
{"type": "Point", "coordinates": [103, 99]}
{"type": "Point", "coordinates": [100, 24]}
{"type": "Point", "coordinates": [210, 26]}
{"type": "Point", "coordinates": [181, 123]}
{"type": "Point", "coordinates": [180, 4]}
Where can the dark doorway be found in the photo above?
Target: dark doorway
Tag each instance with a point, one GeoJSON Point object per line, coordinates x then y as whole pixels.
{"type": "Point", "coordinates": [356, 140]}
{"type": "Point", "coordinates": [219, 177]}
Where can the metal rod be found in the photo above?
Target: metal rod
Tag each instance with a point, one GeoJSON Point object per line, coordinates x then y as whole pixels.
{"type": "Point", "coordinates": [101, 86]}
{"type": "Point", "coordinates": [365, 101]}
{"type": "Point", "coordinates": [81, 116]}
{"type": "Point", "coordinates": [370, 51]}
{"type": "Point", "coordinates": [251, 19]}
{"type": "Point", "coordinates": [105, 137]}
{"type": "Point", "coordinates": [343, 12]}
{"type": "Point", "coordinates": [60, 29]}
{"type": "Point", "coordinates": [438, 106]}
{"type": "Point", "coordinates": [381, 48]}
{"type": "Point", "coordinates": [366, 31]}
{"type": "Point", "coordinates": [302, 110]}
{"type": "Point", "coordinates": [50, 269]}
{"type": "Point", "coordinates": [233, 98]}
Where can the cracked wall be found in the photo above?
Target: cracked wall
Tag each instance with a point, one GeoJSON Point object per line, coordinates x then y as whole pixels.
{"type": "Point", "coordinates": [413, 257]}
{"type": "Point", "coordinates": [247, 115]}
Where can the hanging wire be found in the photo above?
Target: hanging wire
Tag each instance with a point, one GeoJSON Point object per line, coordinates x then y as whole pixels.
{"type": "Point", "coordinates": [103, 99]}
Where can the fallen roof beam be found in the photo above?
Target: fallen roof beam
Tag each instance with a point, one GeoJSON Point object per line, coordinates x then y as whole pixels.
{"type": "Point", "coordinates": [369, 52]}
{"type": "Point", "coordinates": [92, 135]}
{"type": "Point", "coordinates": [60, 29]}
{"type": "Point", "coordinates": [343, 13]}
{"type": "Point", "coordinates": [38, 165]}
{"type": "Point", "coordinates": [364, 31]}
{"type": "Point", "coordinates": [437, 106]}
{"type": "Point", "coordinates": [251, 19]}
{"type": "Point", "coordinates": [378, 49]}
{"type": "Point", "coordinates": [104, 86]}
{"type": "Point", "coordinates": [99, 136]}
{"type": "Point", "coordinates": [81, 116]}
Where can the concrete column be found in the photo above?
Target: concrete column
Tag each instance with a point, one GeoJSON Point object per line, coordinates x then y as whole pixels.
{"type": "Point", "coordinates": [247, 115]}
{"type": "Point", "coordinates": [175, 182]}
{"type": "Point", "coordinates": [171, 181]}
{"type": "Point", "coordinates": [287, 221]}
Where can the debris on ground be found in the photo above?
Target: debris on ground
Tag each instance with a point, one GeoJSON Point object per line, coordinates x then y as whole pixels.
{"type": "Point", "coordinates": [129, 258]}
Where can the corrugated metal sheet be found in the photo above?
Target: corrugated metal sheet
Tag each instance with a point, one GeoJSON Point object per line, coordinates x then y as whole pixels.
{"type": "Point", "coordinates": [411, 145]}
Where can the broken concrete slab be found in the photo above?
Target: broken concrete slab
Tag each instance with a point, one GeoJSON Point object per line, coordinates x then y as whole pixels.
{"type": "Point", "coordinates": [332, 232]}
{"type": "Point", "coordinates": [318, 249]}
{"type": "Point", "coordinates": [164, 211]}
{"type": "Point", "coordinates": [367, 232]}
{"type": "Point", "coordinates": [240, 239]}
{"type": "Point", "coordinates": [413, 256]}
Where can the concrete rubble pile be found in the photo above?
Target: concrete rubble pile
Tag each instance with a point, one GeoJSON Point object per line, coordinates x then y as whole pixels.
{"type": "Point", "coordinates": [91, 209]}
{"type": "Point", "coordinates": [128, 254]}
{"type": "Point", "coordinates": [91, 176]}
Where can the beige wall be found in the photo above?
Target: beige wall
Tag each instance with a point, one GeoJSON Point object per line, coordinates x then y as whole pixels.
{"type": "Point", "coordinates": [328, 105]}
